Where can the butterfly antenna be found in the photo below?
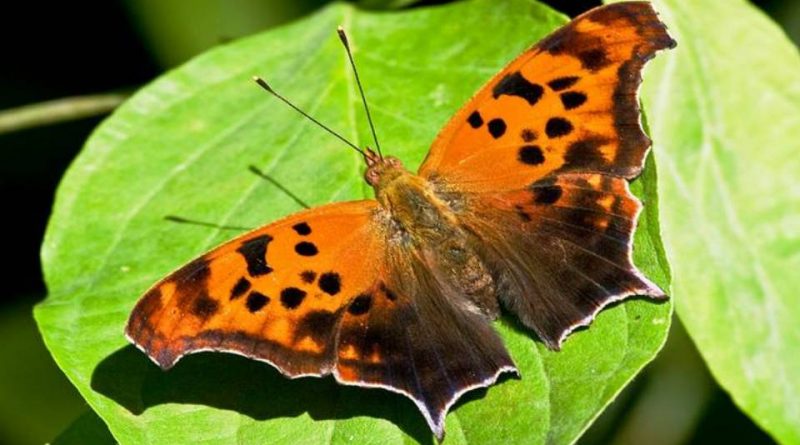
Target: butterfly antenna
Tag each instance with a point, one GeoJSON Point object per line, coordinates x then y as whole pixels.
{"type": "Point", "coordinates": [263, 84]}
{"type": "Point", "coordinates": [346, 43]}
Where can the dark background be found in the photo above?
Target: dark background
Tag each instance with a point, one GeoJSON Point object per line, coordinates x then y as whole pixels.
{"type": "Point", "coordinates": [70, 49]}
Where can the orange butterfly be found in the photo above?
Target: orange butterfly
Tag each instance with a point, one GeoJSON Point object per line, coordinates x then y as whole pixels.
{"type": "Point", "coordinates": [522, 202]}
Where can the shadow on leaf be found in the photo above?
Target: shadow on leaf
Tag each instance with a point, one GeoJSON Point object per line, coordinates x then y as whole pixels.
{"type": "Point", "coordinates": [252, 388]}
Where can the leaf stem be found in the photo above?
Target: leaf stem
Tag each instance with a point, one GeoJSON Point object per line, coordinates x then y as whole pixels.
{"type": "Point", "coordinates": [58, 110]}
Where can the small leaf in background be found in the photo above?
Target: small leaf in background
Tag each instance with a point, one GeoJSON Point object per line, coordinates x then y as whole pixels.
{"type": "Point", "coordinates": [725, 115]}
{"type": "Point", "coordinates": [181, 146]}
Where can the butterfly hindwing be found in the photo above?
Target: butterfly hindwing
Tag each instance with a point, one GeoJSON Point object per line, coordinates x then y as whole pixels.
{"type": "Point", "coordinates": [563, 248]}
{"type": "Point", "coordinates": [417, 339]}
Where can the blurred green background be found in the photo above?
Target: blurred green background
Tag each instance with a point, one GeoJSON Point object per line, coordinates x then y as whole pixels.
{"type": "Point", "coordinates": [64, 50]}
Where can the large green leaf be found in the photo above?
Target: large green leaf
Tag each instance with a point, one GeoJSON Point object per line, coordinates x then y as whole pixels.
{"type": "Point", "coordinates": [182, 145]}
{"type": "Point", "coordinates": [725, 110]}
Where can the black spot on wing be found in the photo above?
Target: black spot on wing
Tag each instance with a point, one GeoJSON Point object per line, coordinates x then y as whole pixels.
{"type": "Point", "coordinates": [256, 301]}
{"type": "Point", "coordinates": [305, 248]}
{"type": "Point", "coordinates": [557, 127]}
{"type": "Point", "coordinates": [302, 228]}
{"type": "Point", "coordinates": [291, 297]}
{"type": "Point", "coordinates": [254, 252]}
{"type": "Point", "coordinates": [360, 304]}
{"type": "Point", "coordinates": [531, 155]}
{"type": "Point", "coordinates": [330, 283]}
{"type": "Point", "coordinates": [204, 306]}
{"type": "Point", "coordinates": [547, 195]}
{"type": "Point", "coordinates": [562, 83]}
{"type": "Point", "coordinates": [308, 276]}
{"type": "Point", "coordinates": [546, 191]}
{"type": "Point", "coordinates": [515, 84]}
{"type": "Point", "coordinates": [497, 128]}
{"type": "Point", "coordinates": [594, 59]}
{"type": "Point", "coordinates": [572, 99]}
{"type": "Point", "coordinates": [584, 155]}
{"type": "Point", "coordinates": [240, 288]}
{"type": "Point", "coordinates": [475, 120]}
{"type": "Point", "coordinates": [528, 135]}
{"type": "Point", "coordinates": [318, 325]}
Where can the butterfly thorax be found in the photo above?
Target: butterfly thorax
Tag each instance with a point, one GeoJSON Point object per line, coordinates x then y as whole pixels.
{"type": "Point", "coordinates": [424, 220]}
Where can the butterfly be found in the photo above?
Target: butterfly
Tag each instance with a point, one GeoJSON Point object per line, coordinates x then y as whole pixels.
{"type": "Point", "coordinates": [522, 203]}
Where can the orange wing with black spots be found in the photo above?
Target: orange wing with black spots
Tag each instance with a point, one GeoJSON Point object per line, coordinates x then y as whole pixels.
{"type": "Point", "coordinates": [325, 291]}
{"type": "Point", "coordinates": [275, 293]}
{"type": "Point", "coordinates": [567, 104]}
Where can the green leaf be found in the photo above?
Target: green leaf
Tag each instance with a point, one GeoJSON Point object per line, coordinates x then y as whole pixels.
{"type": "Point", "coordinates": [182, 146]}
{"type": "Point", "coordinates": [725, 108]}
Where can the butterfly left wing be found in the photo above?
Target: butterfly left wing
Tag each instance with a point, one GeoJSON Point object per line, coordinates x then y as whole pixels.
{"type": "Point", "coordinates": [329, 290]}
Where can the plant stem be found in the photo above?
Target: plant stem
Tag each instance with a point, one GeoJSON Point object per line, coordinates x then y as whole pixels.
{"type": "Point", "coordinates": [59, 110]}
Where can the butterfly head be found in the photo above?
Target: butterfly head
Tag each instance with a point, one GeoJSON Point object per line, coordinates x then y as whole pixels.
{"type": "Point", "coordinates": [381, 169]}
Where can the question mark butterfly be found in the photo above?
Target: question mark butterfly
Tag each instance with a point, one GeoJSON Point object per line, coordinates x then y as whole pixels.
{"type": "Point", "coordinates": [522, 203]}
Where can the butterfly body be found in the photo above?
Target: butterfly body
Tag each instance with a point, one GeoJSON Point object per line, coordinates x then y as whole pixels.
{"type": "Point", "coordinates": [522, 204]}
{"type": "Point", "coordinates": [423, 216]}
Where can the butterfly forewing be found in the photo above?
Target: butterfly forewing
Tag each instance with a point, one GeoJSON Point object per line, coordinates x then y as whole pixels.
{"type": "Point", "coordinates": [567, 104]}
{"type": "Point", "coordinates": [273, 294]}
